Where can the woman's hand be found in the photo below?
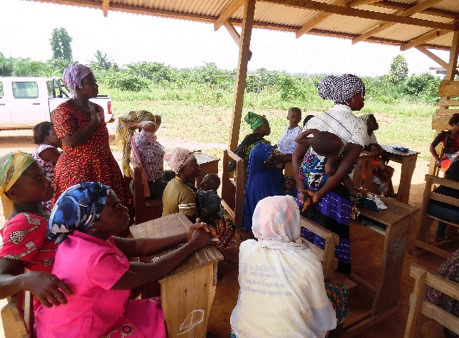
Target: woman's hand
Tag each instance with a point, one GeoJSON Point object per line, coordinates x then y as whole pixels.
{"type": "Point", "coordinates": [46, 287]}
{"type": "Point", "coordinates": [438, 163]}
{"type": "Point", "coordinates": [308, 198]}
{"type": "Point", "coordinates": [201, 238]}
{"type": "Point", "coordinates": [202, 226]}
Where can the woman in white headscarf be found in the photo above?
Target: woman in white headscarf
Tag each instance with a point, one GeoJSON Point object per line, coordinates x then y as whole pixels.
{"type": "Point", "coordinates": [282, 290]}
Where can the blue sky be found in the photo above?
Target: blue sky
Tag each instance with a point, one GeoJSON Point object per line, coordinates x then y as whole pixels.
{"type": "Point", "coordinates": [26, 28]}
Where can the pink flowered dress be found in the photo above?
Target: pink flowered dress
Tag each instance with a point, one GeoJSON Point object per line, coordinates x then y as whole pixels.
{"type": "Point", "coordinates": [91, 266]}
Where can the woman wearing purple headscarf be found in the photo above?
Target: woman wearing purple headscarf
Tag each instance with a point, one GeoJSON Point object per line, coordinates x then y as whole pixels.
{"type": "Point", "coordinates": [80, 125]}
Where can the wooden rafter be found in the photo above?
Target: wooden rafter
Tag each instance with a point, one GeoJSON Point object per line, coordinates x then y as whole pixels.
{"type": "Point", "coordinates": [231, 7]}
{"type": "Point", "coordinates": [105, 5]}
{"type": "Point", "coordinates": [359, 13]}
{"type": "Point", "coordinates": [453, 56]}
{"type": "Point", "coordinates": [320, 17]}
{"type": "Point", "coordinates": [381, 26]}
{"type": "Point", "coordinates": [235, 35]}
{"type": "Point", "coordinates": [434, 57]}
{"type": "Point", "coordinates": [428, 11]}
{"type": "Point", "coordinates": [433, 34]}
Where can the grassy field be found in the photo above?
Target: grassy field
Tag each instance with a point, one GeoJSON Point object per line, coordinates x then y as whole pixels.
{"type": "Point", "coordinates": [187, 118]}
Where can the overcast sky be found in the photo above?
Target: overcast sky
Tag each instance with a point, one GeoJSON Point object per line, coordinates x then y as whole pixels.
{"type": "Point", "coordinates": [26, 28]}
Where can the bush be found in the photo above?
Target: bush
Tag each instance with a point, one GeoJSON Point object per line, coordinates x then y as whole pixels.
{"type": "Point", "coordinates": [125, 80]}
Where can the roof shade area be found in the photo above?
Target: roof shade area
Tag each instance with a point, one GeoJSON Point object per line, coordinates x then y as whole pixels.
{"type": "Point", "coordinates": [406, 23]}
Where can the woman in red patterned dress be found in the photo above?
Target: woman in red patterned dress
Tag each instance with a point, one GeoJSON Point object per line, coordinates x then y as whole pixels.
{"type": "Point", "coordinates": [80, 125]}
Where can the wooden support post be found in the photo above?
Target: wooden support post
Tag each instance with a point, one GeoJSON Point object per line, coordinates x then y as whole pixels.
{"type": "Point", "coordinates": [244, 45]}
{"type": "Point", "coordinates": [235, 35]}
{"type": "Point", "coordinates": [105, 5]}
{"type": "Point", "coordinates": [451, 70]}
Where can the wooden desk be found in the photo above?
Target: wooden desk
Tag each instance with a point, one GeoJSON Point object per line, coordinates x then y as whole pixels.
{"type": "Point", "coordinates": [396, 220]}
{"type": "Point", "coordinates": [188, 291]}
{"type": "Point", "coordinates": [208, 164]}
{"type": "Point", "coordinates": [408, 161]}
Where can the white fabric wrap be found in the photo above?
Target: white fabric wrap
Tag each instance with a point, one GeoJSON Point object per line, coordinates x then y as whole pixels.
{"type": "Point", "coordinates": [282, 291]}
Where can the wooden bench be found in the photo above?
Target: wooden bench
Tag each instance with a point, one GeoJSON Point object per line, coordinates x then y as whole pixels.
{"type": "Point", "coordinates": [418, 305]}
{"type": "Point", "coordinates": [18, 316]}
{"type": "Point", "coordinates": [187, 293]}
{"type": "Point", "coordinates": [425, 220]}
{"type": "Point", "coordinates": [395, 227]}
{"type": "Point", "coordinates": [233, 187]}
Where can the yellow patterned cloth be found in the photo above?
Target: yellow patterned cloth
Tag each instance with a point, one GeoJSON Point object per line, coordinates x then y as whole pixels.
{"type": "Point", "coordinates": [124, 134]}
{"type": "Point", "coordinates": [11, 168]}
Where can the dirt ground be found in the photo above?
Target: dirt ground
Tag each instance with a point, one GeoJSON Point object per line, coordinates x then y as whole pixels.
{"type": "Point", "coordinates": [367, 248]}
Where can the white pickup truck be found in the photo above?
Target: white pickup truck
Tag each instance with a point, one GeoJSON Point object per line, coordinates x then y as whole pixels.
{"type": "Point", "coordinates": [26, 101]}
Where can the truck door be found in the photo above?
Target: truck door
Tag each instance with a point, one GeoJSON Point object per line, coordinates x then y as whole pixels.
{"type": "Point", "coordinates": [5, 118]}
{"type": "Point", "coordinates": [28, 108]}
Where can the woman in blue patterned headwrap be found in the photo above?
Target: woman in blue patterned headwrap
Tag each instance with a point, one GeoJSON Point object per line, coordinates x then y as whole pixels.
{"type": "Point", "coordinates": [96, 265]}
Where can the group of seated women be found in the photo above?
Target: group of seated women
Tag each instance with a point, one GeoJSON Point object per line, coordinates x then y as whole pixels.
{"type": "Point", "coordinates": [65, 238]}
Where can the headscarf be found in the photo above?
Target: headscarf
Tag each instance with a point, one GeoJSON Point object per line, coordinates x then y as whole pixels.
{"type": "Point", "coordinates": [12, 166]}
{"type": "Point", "coordinates": [340, 88]}
{"type": "Point", "coordinates": [255, 120]}
{"type": "Point", "coordinates": [124, 134]}
{"type": "Point", "coordinates": [74, 75]}
{"type": "Point", "coordinates": [78, 208]}
{"type": "Point", "coordinates": [178, 158]}
{"type": "Point", "coordinates": [276, 223]}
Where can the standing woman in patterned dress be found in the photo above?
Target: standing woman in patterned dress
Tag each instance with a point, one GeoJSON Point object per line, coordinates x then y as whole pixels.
{"type": "Point", "coordinates": [80, 125]}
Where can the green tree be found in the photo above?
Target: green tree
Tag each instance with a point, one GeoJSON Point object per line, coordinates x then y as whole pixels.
{"type": "Point", "coordinates": [398, 69]}
{"type": "Point", "coordinates": [60, 44]}
{"type": "Point", "coordinates": [6, 66]}
{"type": "Point", "coordinates": [101, 60]}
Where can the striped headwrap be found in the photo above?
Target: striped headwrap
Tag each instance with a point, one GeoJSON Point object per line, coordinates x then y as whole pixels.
{"type": "Point", "coordinates": [12, 166]}
{"type": "Point", "coordinates": [74, 75]}
{"type": "Point", "coordinates": [340, 88]}
{"type": "Point", "coordinates": [124, 134]}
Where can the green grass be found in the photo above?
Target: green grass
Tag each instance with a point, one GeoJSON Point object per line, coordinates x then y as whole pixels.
{"type": "Point", "coordinates": [201, 115]}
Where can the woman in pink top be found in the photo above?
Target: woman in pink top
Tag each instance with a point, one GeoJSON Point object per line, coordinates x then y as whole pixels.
{"type": "Point", "coordinates": [96, 266]}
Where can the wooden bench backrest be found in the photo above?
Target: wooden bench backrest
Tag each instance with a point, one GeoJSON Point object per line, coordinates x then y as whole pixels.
{"type": "Point", "coordinates": [430, 195]}
{"type": "Point", "coordinates": [327, 254]}
{"type": "Point", "coordinates": [18, 316]}
{"type": "Point", "coordinates": [423, 279]}
{"type": "Point", "coordinates": [449, 104]}
{"type": "Point", "coordinates": [233, 193]}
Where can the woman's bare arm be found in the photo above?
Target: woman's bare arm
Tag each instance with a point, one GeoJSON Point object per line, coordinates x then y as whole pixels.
{"type": "Point", "coordinates": [82, 135]}
{"type": "Point", "coordinates": [50, 154]}
{"type": "Point", "coordinates": [434, 144]}
{"type": "Point", "coordinates": [46, 287]}
{"type": "Point", "coordinates": [147, 246]}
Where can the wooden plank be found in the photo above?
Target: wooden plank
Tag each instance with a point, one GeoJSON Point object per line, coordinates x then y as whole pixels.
{"type": "Point", "coordinates": [429, 11]}
{"type": "Point", "coordinates": [441, 118]}
{"type": "Point", "coordinates": [186, 302]}
{"type": "Point", "coordinates": [436, 281]}
{"type": "Point", "coordinates": [448, 103]}
{"type": "Point", "coordinates": [408, 12]}
{"type": "Point", "coordinates": [173, 225]}
{"type": "Point", "coordinates": [105, 6]}
{"type": "Point", "coordinates": [445, 199]}
{"type": "Point", "coordinates": [357, 327]}
{"type": "Point", "coordinates": [244, 45]}
{"type": "Point", "coordinates": [429, 247]}
{"type": "Point", "coordinates": [441, 220]}
{"type": "Point", "coordinates": [453, 55]}
{"type": "Point", "coordinates": [432, 56]}
{"type": "Point", "coordinates": [444, 318]}
{"type": "Point", "coordinates": [240, 190]}
{"type": "Point", "coordinates": [231, 7]}
{"type": "Point", "coordinates": [433, 34]}
{"type": "Point", "coordinates": [443, 181]}
{"type": "Point", "coordinates": [448, 88]}
{"type": "Point", "coordinates": [353, 12]}
{"type": "Point", "coordinates": [419, 291]}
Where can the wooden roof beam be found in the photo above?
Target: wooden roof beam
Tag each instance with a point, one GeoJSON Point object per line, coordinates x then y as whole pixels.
{"type": "Point", "coordinates": [433, 34]}
{"type": "Point", "coordinates": [428, 11]}
{"type": "Point", "coordinates": [320, 17]}
{"type": "Point", "coordinates": [231, 7]}
{"type": "Point", "coordinates": [405, 13]}
{"type": "Point", "coordinates": [359, 13]}
{"type": "Point", "coordinates": [105, 5]}
{"type": "Point", "coordinates": [235, 35]}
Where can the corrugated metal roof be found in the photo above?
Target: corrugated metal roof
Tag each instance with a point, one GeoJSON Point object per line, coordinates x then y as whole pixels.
{"type": "Point", "coordinates": [272, 14]}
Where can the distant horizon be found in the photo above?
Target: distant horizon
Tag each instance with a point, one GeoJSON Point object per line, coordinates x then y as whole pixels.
{"type": "Point", "coordinates": [129, 38]}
